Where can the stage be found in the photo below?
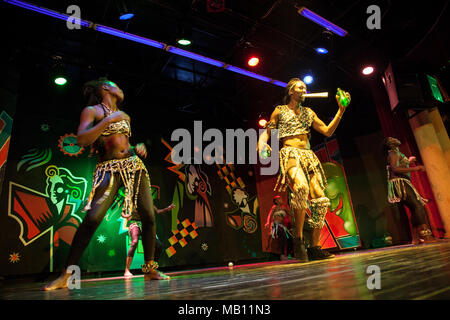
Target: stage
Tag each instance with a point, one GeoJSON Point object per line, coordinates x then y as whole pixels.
{"type": "Point", "coordinates": [406, 272]}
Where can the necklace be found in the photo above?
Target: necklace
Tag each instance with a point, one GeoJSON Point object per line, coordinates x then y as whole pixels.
{"type": "Point", "coordinates": [107, 108]}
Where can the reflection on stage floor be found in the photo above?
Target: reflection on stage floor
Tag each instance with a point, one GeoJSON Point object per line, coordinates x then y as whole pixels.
{"type": "Point", "coordinates": [406, 272]}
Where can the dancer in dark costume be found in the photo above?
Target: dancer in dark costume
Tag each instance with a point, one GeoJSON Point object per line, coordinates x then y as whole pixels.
{"type": "Point", "coordinates": [401, 190]}
{"type": "Point", "coordinates": [107, 130]}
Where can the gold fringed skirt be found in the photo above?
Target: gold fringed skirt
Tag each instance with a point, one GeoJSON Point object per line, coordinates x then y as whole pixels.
{"type": "Point", "coordinates": [128, 169]}
{"type": "Point", "coordinates": [309, 164]}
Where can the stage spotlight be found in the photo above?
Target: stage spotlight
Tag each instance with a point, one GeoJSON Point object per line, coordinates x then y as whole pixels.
{"type": "Point", "coordinates": [126, 16]}
{"type": "Point", "coordinates": [125, 13]}
{"type": "Point", "coordinates": [323, 45]}
{"type": "Point", "coordinates": [321, 50]}
{"type": "Point", "coordinates": [251, 55]}
{"type": "Point", "coordinates": [367, 70]}
{"type": "Point", "coordinates": [262, 120]}
{"type": "Point", "coordinates": [308, 79]}
{"type": "Point", "coordinates": [184, 35]}
{"type": "Point", "coordinates": [184, 42]}
{"type": "Point", "coordinates": [60, 81]}
{"type": "Point", "coordinates": [253, 61]}
{"type": "Point", "coordinates": [262, 123]}
{"type": "Point", "coordinates": [58, 71]}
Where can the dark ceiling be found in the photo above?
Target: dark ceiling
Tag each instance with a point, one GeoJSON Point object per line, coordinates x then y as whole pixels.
{"type": "Point", "coordinates": [175, 90]}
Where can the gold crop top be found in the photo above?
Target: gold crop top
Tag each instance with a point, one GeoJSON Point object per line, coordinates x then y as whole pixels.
{"type": "Point", "coordinates": [122, 126]}
{"type": "Point", "coordinates": [115, 127]}
{"type": "Point", "coordinates": [291, 124]}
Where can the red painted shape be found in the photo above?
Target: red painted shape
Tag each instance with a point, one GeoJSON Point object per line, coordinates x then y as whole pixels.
{"type": "Point", "coordinates": [326, 239]}
{"type": "Point", "coordinates": [32, 230]}
{"type": "Point", "coordinates": [4, 152]}
{"type": "Point", "coordinates": [335, 222]}
{"type": "Point", "coordinates": [36, 206]}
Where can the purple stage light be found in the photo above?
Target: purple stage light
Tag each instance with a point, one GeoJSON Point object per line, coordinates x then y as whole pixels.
{"type": "Point", "coordinates": [279, 83]}
{"type": "Point", "coordinates": [248, 73]}
{"type": "Point", "coordinates": [314, 17]}
{"type": "Point", "coordinates": [129, 36]}
{"type": "Point", "coordinates": [195, 56]}
{"type": "Point", "coordinates": [146, 41]}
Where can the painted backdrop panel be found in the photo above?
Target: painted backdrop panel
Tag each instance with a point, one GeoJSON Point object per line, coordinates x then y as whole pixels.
{"type": "Point", "coordinates": [48, 179]}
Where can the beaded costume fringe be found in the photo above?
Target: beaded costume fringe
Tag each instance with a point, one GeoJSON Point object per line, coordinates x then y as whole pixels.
{"type": "Point", "coordinates": [127, 168]}
{"type": "Point", "coordinates": [397, 192]}
{"type": "Point", "coordinates": [308, 162]}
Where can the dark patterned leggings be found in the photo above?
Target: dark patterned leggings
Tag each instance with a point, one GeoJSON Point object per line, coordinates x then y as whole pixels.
{"type": "Point", "coordinates": [135, 233]}
{"type": "Point", "coordinates": [98, 210]}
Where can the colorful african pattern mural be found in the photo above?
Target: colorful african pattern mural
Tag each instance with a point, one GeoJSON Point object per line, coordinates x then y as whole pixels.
{"type": "Point", "coordinates": [48, 178]}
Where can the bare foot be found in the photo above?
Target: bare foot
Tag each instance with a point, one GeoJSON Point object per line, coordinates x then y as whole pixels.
{"type": "Point", "coordinates": [155, 275]}
{"type": "Point", "coordinates": [127, 274]}
{"type": "Point", "coordinates": [58, 283]}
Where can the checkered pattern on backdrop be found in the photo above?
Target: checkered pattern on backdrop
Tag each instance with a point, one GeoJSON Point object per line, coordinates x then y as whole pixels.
{"type": "Point", "coordinates": [184, 229]}
{"type": "Point", "coordinates": [226, 172]}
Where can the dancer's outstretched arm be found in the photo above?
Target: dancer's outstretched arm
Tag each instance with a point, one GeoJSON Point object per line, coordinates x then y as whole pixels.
{"type": "Point", "coordinates": [328, 130]}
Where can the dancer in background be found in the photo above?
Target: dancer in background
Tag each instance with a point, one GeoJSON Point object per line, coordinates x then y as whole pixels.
{"type": "Point", "coordinates": [107, 130]}
{"type": "Point", "coordinates": [280, 224]}
{"type": "Point", "coordinates": [134, 225]}
{"type": "Point", "coordinates": [401, 190]}
{"type": "Point", "coordinates": [300, 168]}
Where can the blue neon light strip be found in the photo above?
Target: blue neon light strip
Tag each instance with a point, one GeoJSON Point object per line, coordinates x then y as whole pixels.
{"type": "Point", "coordinates": [279, 83]}
{"type": "Point", "coordinates": [248, 73]}
{"type": "Point", "coordinates": [129, 36]}
{"type": "Point", "coordinates": [321, 21]}
{"type": "Point", "coordinates": [48, 12]}
{"type": "Point", "coordinates": [195, 56]}
{"type": "Point", "coordinates": [148, 42]}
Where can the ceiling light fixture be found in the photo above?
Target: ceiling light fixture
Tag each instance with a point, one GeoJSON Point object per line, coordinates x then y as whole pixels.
{"type": "Point", "coordinates": [125, 13]}
{"type": "Point", "coordinates": [367, 70]}
{"type": "Point", "coordinates": [314, 17]}
{"type": "Point", "coordinates": [308, 79]}
{"type": "Point", "coordinates": [253, 61]}
{"type": "Point", "coordinates": [149, 42]}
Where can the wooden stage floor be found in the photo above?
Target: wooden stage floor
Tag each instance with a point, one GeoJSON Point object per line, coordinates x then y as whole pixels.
{"type": "Point", "coordinates": [407, 272]}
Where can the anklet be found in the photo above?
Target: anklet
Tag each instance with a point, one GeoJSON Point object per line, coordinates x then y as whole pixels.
{"type": "Point", "coordinates": [152, 265]}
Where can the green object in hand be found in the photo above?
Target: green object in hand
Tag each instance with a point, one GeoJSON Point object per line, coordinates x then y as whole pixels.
{"type": "Point", "coordinates": [343, 99]}
{"type": "Point", "coordinates": [266, 153]}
